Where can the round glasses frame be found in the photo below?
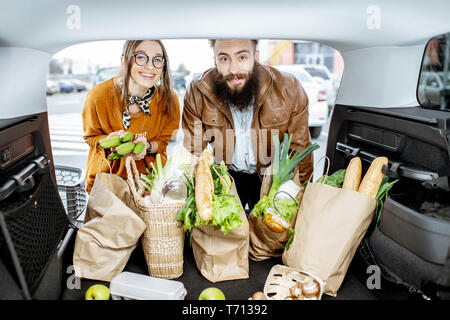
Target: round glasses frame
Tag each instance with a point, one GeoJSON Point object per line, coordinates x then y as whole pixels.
{"type": "Point", "coordinates": [158, 62]}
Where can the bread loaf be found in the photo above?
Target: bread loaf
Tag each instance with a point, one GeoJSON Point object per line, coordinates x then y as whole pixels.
{"type": "Point", "coordinates": [352, 177]}
{"type": "Point", "coordinates": [373, 177]}
{"type": "Point", "coordinates": [204, 185]}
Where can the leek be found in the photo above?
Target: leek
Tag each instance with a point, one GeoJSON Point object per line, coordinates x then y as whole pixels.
{"type": "Point", "coordinates": [283, 165]}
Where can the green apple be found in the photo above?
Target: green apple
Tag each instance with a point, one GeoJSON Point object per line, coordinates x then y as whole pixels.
{"type": "Point", "coordinates": [211, 294]}
{"type": "Point", "coordinates": [97, 292]}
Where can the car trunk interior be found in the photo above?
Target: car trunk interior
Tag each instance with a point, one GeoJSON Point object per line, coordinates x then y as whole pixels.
{"type": "Point", "coordinates": [33, 220]}
{"type": "Point", "coordinates": [416, 217]}
{"type": "Point", "coordinates": [37, 239]}
{"type": "Point", "coordinates": [412, 138]}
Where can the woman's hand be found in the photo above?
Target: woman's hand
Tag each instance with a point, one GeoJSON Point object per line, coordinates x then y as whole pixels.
{"type": "Point", "coordinates": [112, 134]}
{"type": "Point", "coordinates": [115, 133]}
{"type": "Point", "coordinates": [144, 151]}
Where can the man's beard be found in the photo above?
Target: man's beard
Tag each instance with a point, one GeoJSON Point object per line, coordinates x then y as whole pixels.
{"type": "Point", "coordinates": [241, 98]}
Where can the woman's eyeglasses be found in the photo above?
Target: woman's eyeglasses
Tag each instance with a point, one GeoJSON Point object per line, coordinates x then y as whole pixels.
{"type": "Point", "coordinates": [142, 59]}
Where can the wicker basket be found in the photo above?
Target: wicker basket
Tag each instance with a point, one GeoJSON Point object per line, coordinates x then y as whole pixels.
{"type": "Point", "coordinates": [163, 239]}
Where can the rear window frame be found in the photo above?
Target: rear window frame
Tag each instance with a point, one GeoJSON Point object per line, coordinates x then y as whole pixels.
{"type": "Point", "coordinates": [422, 104]}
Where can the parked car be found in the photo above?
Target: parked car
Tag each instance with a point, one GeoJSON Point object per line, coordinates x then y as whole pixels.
{"type": "Point", "coordinates": [318, 107]}
{"type": "Point", "coordinates": [179, 81]}
{"type": "Point", "coordinates": [431, 89]}
{"type": "Point", "coordinates": [66, 86]}
{"type": "Point", "coordinates": [79, 85]}
{"type": "Point", "coordinates": [321, 74]}
{"type": "Point", "coordinates": [105, 74]}
{"type": "Point", "coordinates": [52, 87]}
{"type": "Point", "coordinates": [402, 256]}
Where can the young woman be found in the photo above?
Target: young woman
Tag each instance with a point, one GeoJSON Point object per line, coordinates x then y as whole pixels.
{"type": "Point", "coordinates": [141, 100]}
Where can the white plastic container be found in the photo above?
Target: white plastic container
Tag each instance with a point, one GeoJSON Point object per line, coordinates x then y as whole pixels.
{"type": "Point", "coordinates": [289, 187]}
{"type": "Point", "coordinates": [282, 278]}
{"type": "Point", "coordinates": [134, 286]}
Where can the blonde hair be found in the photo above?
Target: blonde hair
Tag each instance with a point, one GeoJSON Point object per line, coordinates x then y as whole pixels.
{"type": "Point", "coordinates": [164, 90]}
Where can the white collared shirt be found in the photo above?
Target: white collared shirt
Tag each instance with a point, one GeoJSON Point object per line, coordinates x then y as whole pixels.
{"type": "Point", "coordinates": [243, 158]}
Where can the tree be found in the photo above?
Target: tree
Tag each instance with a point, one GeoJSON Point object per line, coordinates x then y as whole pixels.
{"type": "Point", "coordinates": [182, 69]}
{"type": "Point", "coordinates": [55, 67]}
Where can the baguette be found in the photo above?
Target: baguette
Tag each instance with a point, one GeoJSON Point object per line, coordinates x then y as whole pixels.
{"type": "Point", "coordinates": [373, 177]}
{"type": "Point", "coordinates": [352, 177]}
{"type": "Point", "coordinates": [204, 185]}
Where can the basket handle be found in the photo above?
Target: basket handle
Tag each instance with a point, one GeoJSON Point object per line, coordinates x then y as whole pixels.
{"type": "Point", "coordinates": [133, 177]}
{"type": "Point", "coordinates": [107, 162]}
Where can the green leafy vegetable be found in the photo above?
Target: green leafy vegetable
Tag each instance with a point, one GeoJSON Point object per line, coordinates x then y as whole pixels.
{"type": "Point", "coordinates": [381, 197]}
{"type": "Point", "coordinates": [335, 180]}
{"type": "Point", "coordinates": [286, 207]}
{"type": "Point", "coordinates": [225, 206]}
{"type": "Point", "coordinates": [226, 212]}
{"type": "Point", "coordinates": [291, 237]}
{"type": "Point", "coordinates": [284, 162]}
{"type": "Point", "coordinates": [222, 181]}
{"type": "Point", "coordinates": [147, 179]}
{"type": "Point", "coordinates": [283, 165]}
{"type": "Point", "coordinates": [188, 212]}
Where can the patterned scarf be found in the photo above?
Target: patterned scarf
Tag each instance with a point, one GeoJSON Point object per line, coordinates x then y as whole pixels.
{"type": "Point", "coordinates": [142, 102]}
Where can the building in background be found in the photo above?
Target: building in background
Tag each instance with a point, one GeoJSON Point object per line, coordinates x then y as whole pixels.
{"type": "Point", "coordinates": [276, 52]}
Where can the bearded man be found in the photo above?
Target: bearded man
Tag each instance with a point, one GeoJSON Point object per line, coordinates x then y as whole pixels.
{"type": "Point", "coordinates": [238, 107]}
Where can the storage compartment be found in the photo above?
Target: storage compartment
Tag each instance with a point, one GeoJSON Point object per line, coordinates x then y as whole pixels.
{"type": "Point", "coordinates": [71, 187]}
{"type": "Point", "coordinates": [133, 286]}
{"type": "Point", "coordinates": [33, 224]}
{"type": "Point", "coordinates": [419, 220]}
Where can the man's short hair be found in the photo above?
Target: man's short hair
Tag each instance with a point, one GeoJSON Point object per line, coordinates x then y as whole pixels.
{"type": "Point", "coordinates": [212, 42]}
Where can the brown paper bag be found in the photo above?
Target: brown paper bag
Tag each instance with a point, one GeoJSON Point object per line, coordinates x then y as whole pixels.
{"type": "Point", "coordinates": [112, 229]}
{"type": "Point", "coordinates": [219, 256]}
{"type": "Point", "coordinates": [265, 243]}
{"type": "Point", "coordinates": [330, 226]}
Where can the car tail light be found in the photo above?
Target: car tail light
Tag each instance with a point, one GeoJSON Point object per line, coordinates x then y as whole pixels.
{"type": "Point", "coordinates": [322, 96]}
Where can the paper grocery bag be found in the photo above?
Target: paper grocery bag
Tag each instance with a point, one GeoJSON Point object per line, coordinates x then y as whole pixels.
{"type": "Point", "coordinates": [330, 226]}
{"type": "Point", "coordinates": [219, 256]}
{"type": "Point", "coordinates": [265, 243]}
{"type": "Point", "coordinates": [111, 231]}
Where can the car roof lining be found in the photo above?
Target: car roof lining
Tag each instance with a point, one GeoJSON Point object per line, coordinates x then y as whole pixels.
{"type": "Point", "coordinates": [350, 25]}
{"type": "Point", "coordinates": [374, 38]}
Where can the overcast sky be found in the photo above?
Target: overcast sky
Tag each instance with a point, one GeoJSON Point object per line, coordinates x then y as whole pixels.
{"type": "Point", "coordinates": [196, 54]}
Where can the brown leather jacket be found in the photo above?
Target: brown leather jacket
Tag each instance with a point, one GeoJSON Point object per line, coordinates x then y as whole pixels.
{"type": "Point", "coordinates": [281, 106]}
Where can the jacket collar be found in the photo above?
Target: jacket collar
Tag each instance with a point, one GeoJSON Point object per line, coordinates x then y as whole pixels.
{"type": "Point", "coordinates": [265, 83]}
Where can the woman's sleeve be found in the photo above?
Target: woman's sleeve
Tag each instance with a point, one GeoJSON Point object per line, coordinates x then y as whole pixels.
{"type": "Point", "coordinates": [92, 130]}
{"type": "Point", "coordinates": [169, 127]}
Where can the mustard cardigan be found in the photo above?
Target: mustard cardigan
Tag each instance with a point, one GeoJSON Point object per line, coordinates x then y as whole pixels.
{"type": "Point", "coordinates": [102, 114]}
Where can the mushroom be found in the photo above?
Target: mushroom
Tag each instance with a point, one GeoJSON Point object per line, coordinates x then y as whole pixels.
{"type": "Point", "coordinates": [310, 289]}
{"type": "Point", "coordinates": [295, 291]}
{"type": "Point", "coordinates": [259, 295]}
{"type": "Point", "coordinates": [301, 281]}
